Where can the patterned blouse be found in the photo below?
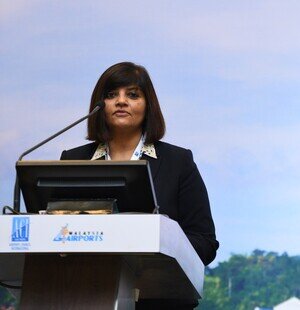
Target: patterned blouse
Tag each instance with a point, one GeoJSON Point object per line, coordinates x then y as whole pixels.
{"type": "Point", "coordinates": [147, 149]}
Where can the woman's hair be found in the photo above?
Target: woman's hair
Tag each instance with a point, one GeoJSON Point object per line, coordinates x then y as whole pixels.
{"type": "Point", "coordinates": [122, 75]}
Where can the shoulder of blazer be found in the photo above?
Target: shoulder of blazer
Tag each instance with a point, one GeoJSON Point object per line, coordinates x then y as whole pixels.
{"type": "Point", "coordinates": [167, 149]}
{"type": "Point", "coordinates": [81, 152]}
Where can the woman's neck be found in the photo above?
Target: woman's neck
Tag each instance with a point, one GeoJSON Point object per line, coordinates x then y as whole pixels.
{"type": "Point", "coordinates": [122, 146]}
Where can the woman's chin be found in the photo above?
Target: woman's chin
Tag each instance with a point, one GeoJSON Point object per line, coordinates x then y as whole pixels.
{"type": "Point", "coordinates": [123, 126]}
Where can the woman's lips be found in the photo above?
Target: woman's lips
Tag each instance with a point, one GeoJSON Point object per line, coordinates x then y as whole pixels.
{"type": "Point", "coordinates": [121, 113]}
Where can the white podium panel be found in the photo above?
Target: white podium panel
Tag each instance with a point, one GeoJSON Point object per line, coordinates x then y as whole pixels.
{"type": "Point", "coordinates": [80, 233]}
{"type": "Point", "coordinates": [122, 234]}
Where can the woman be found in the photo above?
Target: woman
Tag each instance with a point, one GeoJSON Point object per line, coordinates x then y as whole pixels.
{"type": "Point", "coordinates": [130, 127]}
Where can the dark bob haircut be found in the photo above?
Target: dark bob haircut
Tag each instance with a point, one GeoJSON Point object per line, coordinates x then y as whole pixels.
{"type": "Point", "coordinates": [122, 75]}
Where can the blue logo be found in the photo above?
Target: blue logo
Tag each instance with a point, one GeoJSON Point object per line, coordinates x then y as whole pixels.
{"type": "Point", "coordinates": [20, 229]}
{"type": "Point", "coordinates": [67, 235]}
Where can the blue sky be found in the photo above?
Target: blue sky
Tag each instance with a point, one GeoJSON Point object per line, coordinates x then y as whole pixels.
{"type": "Point", "coordinates": [227, 76]}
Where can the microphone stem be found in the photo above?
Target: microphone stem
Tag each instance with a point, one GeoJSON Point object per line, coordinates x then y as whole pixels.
{"type": "Point", "coordinates": [17, 191]}
{"type": "Point", "coordinates": [97, 108]}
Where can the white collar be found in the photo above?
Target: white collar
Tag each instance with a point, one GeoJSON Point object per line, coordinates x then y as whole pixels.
{"type": "Point", "coordinates": [142, 148]}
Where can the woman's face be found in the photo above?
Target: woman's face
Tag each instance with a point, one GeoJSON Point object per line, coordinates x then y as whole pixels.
{"type": "Point", "coordinates": [125, 109]}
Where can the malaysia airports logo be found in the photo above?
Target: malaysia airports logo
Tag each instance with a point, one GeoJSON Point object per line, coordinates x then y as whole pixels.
{"type": "Point", "coordinates": [67, 235]}
{"type": "Point", "coordinates": [20, 234]}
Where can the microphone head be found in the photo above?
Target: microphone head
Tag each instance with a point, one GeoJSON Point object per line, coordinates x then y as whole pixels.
{"type": "Point", "coordinates": [100, 104]}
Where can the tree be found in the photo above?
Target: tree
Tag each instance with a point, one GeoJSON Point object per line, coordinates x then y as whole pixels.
{"type": "Point", "coordinates": [244, 282]}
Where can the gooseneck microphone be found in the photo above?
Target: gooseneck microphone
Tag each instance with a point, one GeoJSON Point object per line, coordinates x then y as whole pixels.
{"type": "Point", "coordinates": [17, 192]}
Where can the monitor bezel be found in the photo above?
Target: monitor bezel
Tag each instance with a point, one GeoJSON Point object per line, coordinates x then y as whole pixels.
{"type": "Point", "coordinates": [138, 194]}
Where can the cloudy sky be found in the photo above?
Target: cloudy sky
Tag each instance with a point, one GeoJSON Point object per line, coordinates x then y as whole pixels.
{"type": "Point", "coordinates": [227, 74]}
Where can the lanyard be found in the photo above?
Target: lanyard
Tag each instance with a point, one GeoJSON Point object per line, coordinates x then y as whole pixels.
{"type": "Point", "coordinates": [137, 152]}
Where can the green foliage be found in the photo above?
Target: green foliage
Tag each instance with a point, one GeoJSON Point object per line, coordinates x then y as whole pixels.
{"type": "Point", "coordinates": [6, 299]}
{"type": "Point", "coordinates": [245, 282]}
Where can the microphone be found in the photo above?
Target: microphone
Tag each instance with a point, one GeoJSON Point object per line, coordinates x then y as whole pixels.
{"type": "Point", "coordinates": [17, 192]}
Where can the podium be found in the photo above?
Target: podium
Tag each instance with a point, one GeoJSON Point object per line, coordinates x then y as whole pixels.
{"type": "Point", "coordinates": [97, 261]}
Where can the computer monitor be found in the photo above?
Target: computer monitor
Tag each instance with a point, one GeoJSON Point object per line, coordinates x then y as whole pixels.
{"type": "Point", "coordinates": [129, 182]}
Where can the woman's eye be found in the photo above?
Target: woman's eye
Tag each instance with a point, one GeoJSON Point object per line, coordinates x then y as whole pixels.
{"type": "Point", "coordinates": [111, 95]}
{"type": "Point", "coordinates": [133, 95]}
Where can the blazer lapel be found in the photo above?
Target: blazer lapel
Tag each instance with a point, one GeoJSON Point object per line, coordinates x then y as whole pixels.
{"type": "Point", "coordinates": [154, 163]}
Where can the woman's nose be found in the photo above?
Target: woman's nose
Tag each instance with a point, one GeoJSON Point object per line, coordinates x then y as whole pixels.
{"type": "Point", "coordinates": [121, 99]}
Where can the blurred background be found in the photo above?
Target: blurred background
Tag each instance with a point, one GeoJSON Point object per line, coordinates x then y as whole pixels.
{"type": "Point", "coordinates": [227, 75]}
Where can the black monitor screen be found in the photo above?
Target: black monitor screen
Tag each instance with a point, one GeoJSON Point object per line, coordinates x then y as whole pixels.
{"type": "Point", "coordinates": [129, 182]}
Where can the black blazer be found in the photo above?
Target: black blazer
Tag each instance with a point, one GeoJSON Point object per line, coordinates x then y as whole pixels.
{"type": "Point", "coordinates": [180, 193]}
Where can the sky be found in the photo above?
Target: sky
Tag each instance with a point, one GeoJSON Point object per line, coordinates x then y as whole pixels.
{"type": "Point", "coordinates": [227, 75]}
